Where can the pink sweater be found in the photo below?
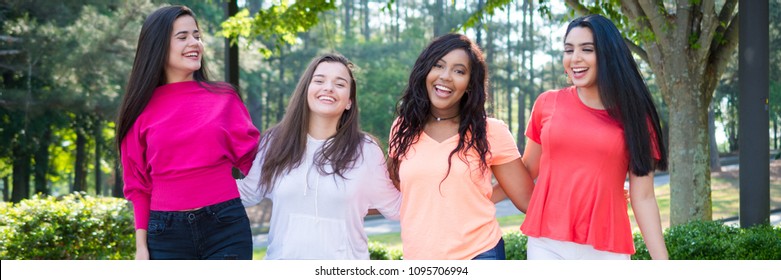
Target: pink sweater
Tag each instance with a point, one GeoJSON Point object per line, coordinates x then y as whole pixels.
{"type": "Point", "coordinates": [180, 151]}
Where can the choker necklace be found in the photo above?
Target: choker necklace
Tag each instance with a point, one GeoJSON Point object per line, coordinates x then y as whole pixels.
{"type": "Point", "coordinates": [443, 119]}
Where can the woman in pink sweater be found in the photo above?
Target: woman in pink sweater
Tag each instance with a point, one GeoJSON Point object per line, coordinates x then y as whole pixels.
{"type": "Point", "coordinates": [179, 137]}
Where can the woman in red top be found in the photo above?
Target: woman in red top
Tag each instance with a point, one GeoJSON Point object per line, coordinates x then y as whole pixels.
{"type": "Point", "coordinates": [583, 141]}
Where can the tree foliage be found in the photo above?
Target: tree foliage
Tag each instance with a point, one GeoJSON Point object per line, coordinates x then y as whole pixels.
{"type": "Point", "coordinates": [280, 23]}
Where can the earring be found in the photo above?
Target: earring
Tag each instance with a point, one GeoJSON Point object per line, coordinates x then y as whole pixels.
{"type": "Point", "coordinates": [569, 79]}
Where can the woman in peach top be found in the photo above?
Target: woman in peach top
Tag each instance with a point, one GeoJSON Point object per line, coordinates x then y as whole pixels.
{"type": "Point", "coordinates": [443, 150]}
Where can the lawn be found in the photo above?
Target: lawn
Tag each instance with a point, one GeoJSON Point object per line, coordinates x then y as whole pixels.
{"type": "Point", "coordinates": [724, 196]}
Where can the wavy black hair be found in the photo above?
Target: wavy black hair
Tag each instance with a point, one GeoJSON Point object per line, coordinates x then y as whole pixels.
{"type": "Point", "coordinates": [414, 107]}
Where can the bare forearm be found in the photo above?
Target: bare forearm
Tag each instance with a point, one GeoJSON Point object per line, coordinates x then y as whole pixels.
{"type": "Point", "coordinates": [142, 250]}
{"type": "Point", "coordinates": [648, 219]}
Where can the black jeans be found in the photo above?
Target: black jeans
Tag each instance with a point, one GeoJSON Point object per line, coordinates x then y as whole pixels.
{"type": "Point", "coordinates": [216, 232]}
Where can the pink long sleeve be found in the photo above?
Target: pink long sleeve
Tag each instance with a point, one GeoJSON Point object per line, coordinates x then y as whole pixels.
{"type": "Point", "coordinates": [180, 151]}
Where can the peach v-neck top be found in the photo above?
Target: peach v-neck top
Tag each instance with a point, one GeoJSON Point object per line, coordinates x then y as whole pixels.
{"type": "Point", "coordinates": [455, 219]}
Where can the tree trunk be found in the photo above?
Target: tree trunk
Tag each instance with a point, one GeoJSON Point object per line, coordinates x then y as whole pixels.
{"type": "Point", "coordinates": [119, 184]}
{"type": "Point", "coordinates": [21, 175]}
{"type": "Point", "coordinates": [365, 12]}
{"type": "Point", "coordinates": [80, 166]}
{"type": "Point", "coordinates": [490, 57]}
{"type": "Point", "coordinates": [479, 26]}
{"type": "Point", "coordinates": [508, 85]}
{"type": "Point", "coordinates": [267, 102]}
{"type": "Point", "coordinates": [42, 162]}
{"type": "Point", "coordinates": [690, 194]}
{"type": "Point", "coordinates": [347, 6]}
{"type": "Point", "coordinates": [255, 103]}
{"type": "Point", "coordinates": [438, 14]}
{"type": "Point", "coordinates": [98, 136]}
{"type": "Point", "coordinates": [281, 89]}
{"type": "Point", "coordinates": [6, 186]}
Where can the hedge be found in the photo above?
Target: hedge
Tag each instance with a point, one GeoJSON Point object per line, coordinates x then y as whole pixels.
{"type": "Point", "coordinates": [75, 226]}
{"type": "Point", "coordinates": [693, 241]}
{"type": "Point", "coordinates": [712, 240]}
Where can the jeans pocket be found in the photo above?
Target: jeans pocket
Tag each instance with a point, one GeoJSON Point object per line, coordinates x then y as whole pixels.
{"type": "Point", "coordinates": [230, 214]}
{"type": "Point", "coordinates": [156, 227]}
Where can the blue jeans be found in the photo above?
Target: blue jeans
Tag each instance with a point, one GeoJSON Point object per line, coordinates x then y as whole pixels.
{"type": "Point", "coordinates": [216, 232]}
{"type": "Point", "coordinates": [497, 253]}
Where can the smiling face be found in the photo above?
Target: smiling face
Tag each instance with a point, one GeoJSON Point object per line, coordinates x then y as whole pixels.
{"type": "Point", "coordinates": [185, 50]}
{"type": "Point", "coordinates": [328, 94]}
{"type": "Point", "coordinates": [580, 58]}
{"type": "Point", "coordinates": [446, 83]}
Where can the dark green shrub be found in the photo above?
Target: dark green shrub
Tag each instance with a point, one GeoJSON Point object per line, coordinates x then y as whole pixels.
{"type": "Point", "coordinates": [75, 226]}
{"type": "Point", "coordinates": [515, 245]}
{"type": "Point", "coordinates": [703, 240]}
{"type": "Point", "coordinates": [761, 242]}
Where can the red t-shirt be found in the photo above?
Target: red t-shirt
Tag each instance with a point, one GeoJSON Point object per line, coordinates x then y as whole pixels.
{"type": "Point", "coordinates": [579, 192]}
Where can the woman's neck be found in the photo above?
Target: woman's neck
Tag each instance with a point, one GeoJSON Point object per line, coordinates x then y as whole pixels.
{"type": "Point", "coordinates": [445, 115]}
{"type": "Point", "coordinates": [322, 128]}
{"type": "Point", "coordinates": [590, 97]}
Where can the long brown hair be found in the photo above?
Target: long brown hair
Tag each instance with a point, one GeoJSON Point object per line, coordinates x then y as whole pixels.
{"type": "Point", "coordinates": [282, 146]}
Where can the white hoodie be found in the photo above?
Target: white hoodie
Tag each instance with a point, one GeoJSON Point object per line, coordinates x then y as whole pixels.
{"type": "Point", "coordinates": [317, 216]}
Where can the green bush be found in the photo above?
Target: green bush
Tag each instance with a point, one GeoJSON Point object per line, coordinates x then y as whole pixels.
{"type": "Point", "coordinates": [701, 240]}
{"type": "Point", "coordinates": [378, 251]}
{"type": "Point", "coordinates": [396, 254]}
{"type": "Point", "coordinates": [75, 226]}
{"type": "Point", "coordinates": [515, 245]}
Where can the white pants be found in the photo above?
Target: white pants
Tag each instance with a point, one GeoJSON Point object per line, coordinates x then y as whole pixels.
{"type": "Point", "coordinates": [548, 249]}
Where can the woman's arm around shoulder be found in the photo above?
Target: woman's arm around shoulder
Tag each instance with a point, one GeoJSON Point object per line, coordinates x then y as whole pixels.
{"type": "Point", "coordinates": [383, 195]}
{"type": "Point", "coordinates": [249, 188]}
{"type": "Point", "coordinates": [514, 180]}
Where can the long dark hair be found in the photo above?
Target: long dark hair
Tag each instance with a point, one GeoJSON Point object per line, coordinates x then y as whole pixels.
{"type": "Point", "coordinates": [283, 145]}
{"type": "Point", "coordinates": [414, 107]}
{"type": "Point", "coordinates": [625, 94]}
{"type": "Point", "coordinates": [148, 70]}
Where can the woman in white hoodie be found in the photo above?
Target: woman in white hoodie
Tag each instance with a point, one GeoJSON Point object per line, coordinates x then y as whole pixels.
{"type": "Point", "coordinates": [321, 172]}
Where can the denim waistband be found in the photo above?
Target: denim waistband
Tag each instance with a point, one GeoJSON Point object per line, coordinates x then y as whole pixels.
{"type": "Point", "coordinates": [189, 214]}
